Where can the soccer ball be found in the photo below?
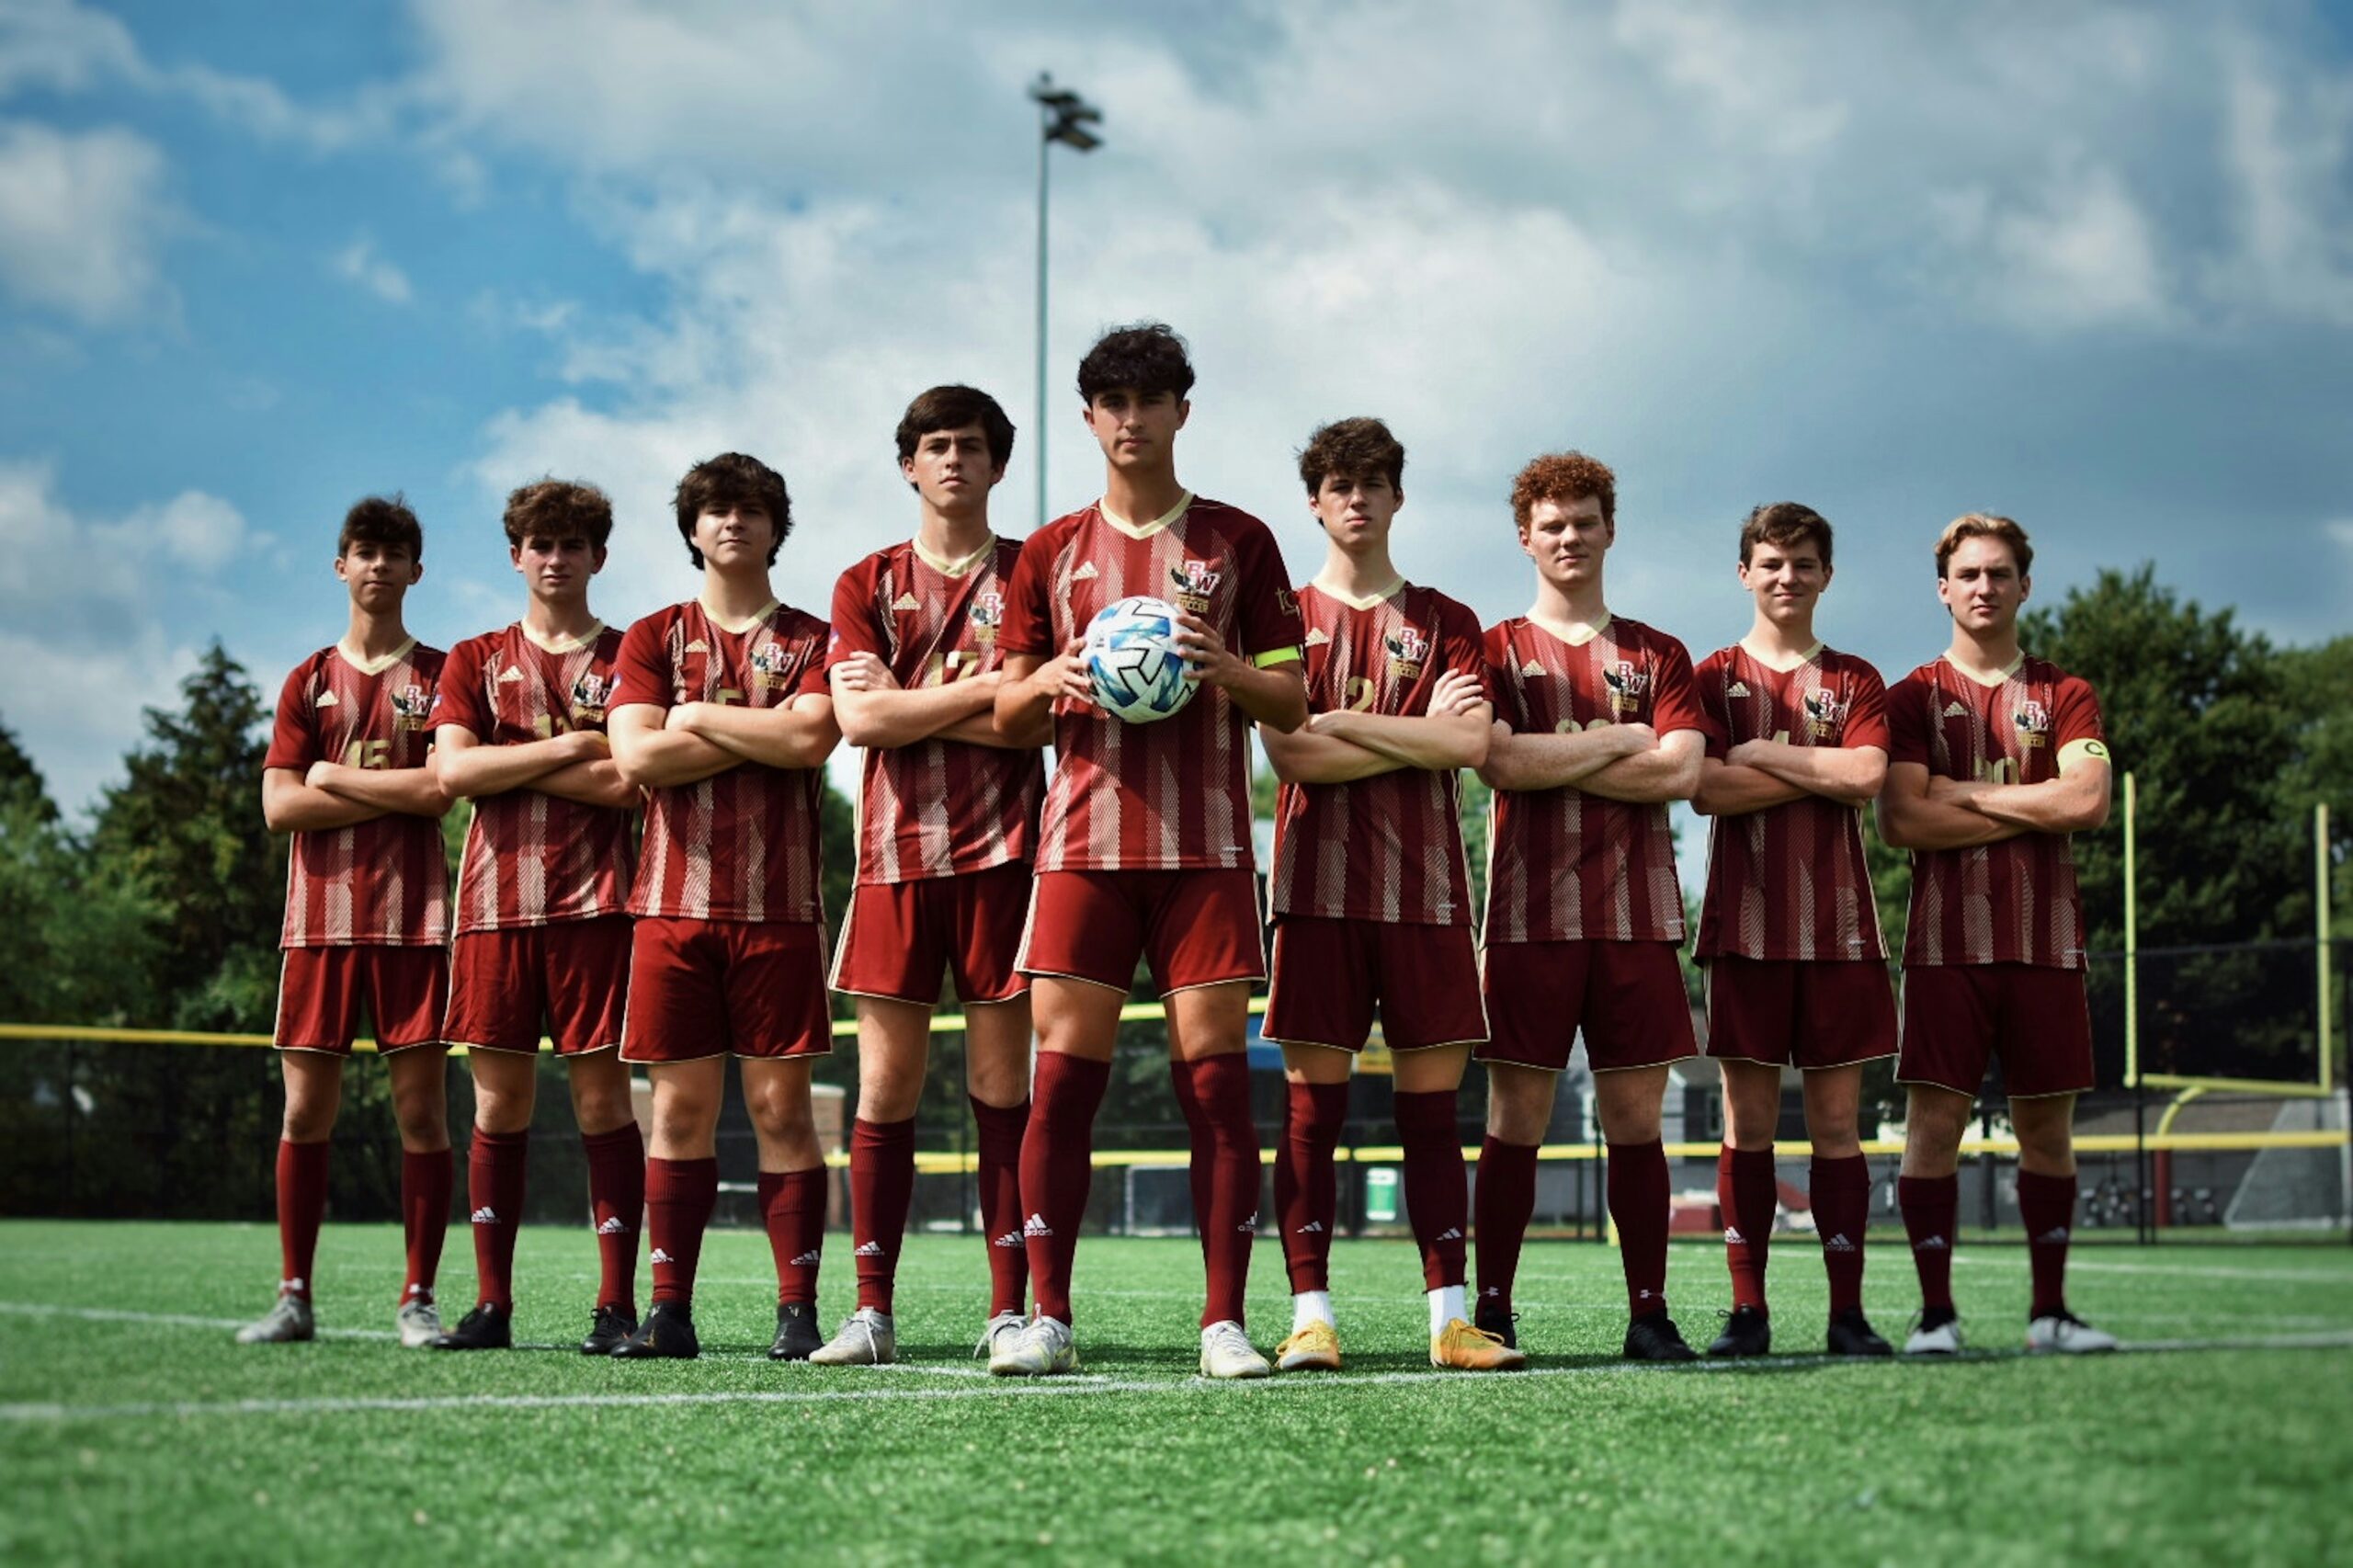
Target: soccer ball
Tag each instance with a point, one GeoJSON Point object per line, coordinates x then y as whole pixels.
{"type": "Point", "coordinates": [1130, 654]}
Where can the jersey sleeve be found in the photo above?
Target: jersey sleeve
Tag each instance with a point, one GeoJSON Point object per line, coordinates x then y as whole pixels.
{"type": "Point", "coordinates": [1028, 626]}
{"type": "Point", "coordinates": [855, 630]}
{"type": "Point", "coordinates": [1266, 611]}
{"type": "Point", "coordinates": [2076, 730]}
{"type": "Point", "coordinates": [294, 735]}
{"type": "Point", "coordinates": [1907, 722]}
{"type": "Point", "coordinates": [1715, 713]}
{"type": "Point", "coordinates": [812, 682]}
{"type": "Point", "coordinates": [458, 695]}
{"type": "Point", "coordinates": [1675, 702]}
{"type": "Point", "coordinates": [1503, 679]}
{"type": "Point", "coordinates": [1460, 649]}
{"type": "Point", "coordinates": [1866, 710]}
{"type": "Point", "coordinates": [641, 674]}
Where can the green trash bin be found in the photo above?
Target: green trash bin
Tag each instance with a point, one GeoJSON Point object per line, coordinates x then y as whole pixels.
{"type": "Point", "coordinates": [1381, 1188]}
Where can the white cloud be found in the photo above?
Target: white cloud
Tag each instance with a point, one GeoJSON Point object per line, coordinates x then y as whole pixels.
{"type": "Point", "coordinates": [2289, 149]}
{"type": "Point", "coordinates": [59, 44]}
{"type": "Point", "coordinates": [359, 263]}
{"type": "Point", "coordinates": [82, 215]}
{"type": "Point", "coordinates": [2079, 253]}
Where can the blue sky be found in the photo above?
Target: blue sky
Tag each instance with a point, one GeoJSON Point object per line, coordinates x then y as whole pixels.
{"type": "Point", "coordinates": [2091, 267]}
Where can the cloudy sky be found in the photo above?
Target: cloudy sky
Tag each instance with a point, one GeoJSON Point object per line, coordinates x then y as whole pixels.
{"type": "Point", "coordinates": [2090, 267]}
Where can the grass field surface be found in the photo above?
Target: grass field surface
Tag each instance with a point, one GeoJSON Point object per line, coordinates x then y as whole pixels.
{"type": "Point", "coordinates": [133, 1430]}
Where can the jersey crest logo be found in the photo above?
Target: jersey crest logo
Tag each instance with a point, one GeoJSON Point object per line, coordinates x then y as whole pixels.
{"type": "Point", "coordinates": [590, 694]}
{"type": "Point", "coordinates": [1407, 652]}
{"type": "Point", "coordinates": [1627, 684]}
{"type": "Point", "coordinates": [410, 705]}
{"type": "Point", "coordinates": [1823, 713]}
{"type": "Point", "coordinates": [1195, 583]}
{"type": "Point", "coordinates": [1286, 601]}
{"type": "Point", "coordinates": [986, 615]}
{"type": "Point", "coordinates": [2032, 724]}
{"type": "Point", "coordinates": [771, 659]}
{"type": "Point", "coordinates": [906, 602]}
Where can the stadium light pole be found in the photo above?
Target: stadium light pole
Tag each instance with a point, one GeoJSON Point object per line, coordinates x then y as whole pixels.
{"type": "Point", "coordinates": [1063, 116]}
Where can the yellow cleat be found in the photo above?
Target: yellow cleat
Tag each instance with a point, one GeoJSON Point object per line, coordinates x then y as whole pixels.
{"type": "Point", "coordinates": [1315, 1348]}
{"type": "Point", "coordinates": [1474, 1349]}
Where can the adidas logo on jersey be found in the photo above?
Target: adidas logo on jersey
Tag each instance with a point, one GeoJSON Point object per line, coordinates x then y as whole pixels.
{"type": "Point", "coordinates": [806, 1260]}
{"type": "Point", "coordinates": [1010, 1239]}
{"type": "Point", "coordinates": [1532, 668]}
{"type": "Point", "coordinates": [906, 601]}
{"type": "Point", "coordinates": [1085, 574]}
{"type": "Point", "coordinates": [1932, 1243]}
{"type": "Point", "coordinates": [661, 1257]}
{"type": "Point", "coordinates": [1737, 688]}
{"type": "Point", "coordinates": [1838, 1242]}
{"type": "Point", "coordinates": [1316, 637]}
{"type": "Point", "coordinates": [612, 1226]}
{"type": "Point", "coordinates": [325, 700]}
{"type": "Point", "coordinates": [1956, 710]}
{"type": "Point", "coordinates": [1312, 1228]}
{"type": "Point", "coordinates": [509, 673]}
{"type": "Point", "coordinates": [865, 1249]}
{"type": "Point", "coordinates": [485, 1215]}
{"type": "Point", "coordinates": [1452, 1234]}
{"type": "Point", "coordinates": [1037, 1226]}
{"type": "Point", "coordinates": [2054, 1237]}
{"type": "Point", "coordinates": [697, 646]}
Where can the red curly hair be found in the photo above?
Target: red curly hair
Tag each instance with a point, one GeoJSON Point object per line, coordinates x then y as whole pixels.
{"type": "Point", "coordinates": [1563, 477]}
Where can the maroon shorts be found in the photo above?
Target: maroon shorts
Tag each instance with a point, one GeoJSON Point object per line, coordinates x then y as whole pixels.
{"type": "Point", "coordinates": [1329, 973]}
{"type": "Point", "coordinates": [320, 990]}
{"type": "Point", "coordinates": [1197, 928]}
{"type": "Point", "coordinates": [574, 974]}
{"type": "Point", "coordinates": [2035, 1021]}
{"type": "Point", "coordinates": [1627, 997]}
{"type": "Point", "coordinates": [703, 988]}
{"type": "Point", "coordinates": [1784, 1013]}
{"type": "Point", "coordinates": [899, 937]}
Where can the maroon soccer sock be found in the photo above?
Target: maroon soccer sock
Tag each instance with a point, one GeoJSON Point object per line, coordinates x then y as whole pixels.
{"type": "Point", "coordinates": [426, 1181]}
{"type": "Point", "coordinates": [1200, 1160]}
{"type": "Point", "coordinates": [1057, 1168]}
{"type": "Point", "coordinates": [494, 1176]}
{"type": "Point", "coordinates": [679, 1197]}
{"type": "Point", "coordinates": [1438, 1191]}
{"type": "Point", "coordinates": [1307, 1202]}
{"type": "Point", "coordinates": [792, 1206]}
{"type": "Point", "coordinates": [1222, 1085]}
{"type": "Point", "coordinates": [2047, 1209]}
{"type": "Point", "coordinates": [881, 1185]}
{"type": "Point", "coordinates": [1842, 1210]}
{"type": "Point", "coordinates": [1747, 1192]}
{"type": "Point", "coordinates": [301, 1205]}
{"type": "Point", "coordinates": [1931, 1205]}
{"type": "Point", "coordinates": [999, 1180]}
{"type": "Point", "coordinates": [616, 1205]}
{"type": "Point", "coordinates": [1506, 1198]}
{"type": "Point", "coordinates": [1638, 1205]}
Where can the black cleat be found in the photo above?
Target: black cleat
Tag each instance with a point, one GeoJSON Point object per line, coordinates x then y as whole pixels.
{"type": "Point", "coordinates": [1654, 1337]}
{"type": "Point", "coordinates": [1747, 1332]}
{"type": "Point", "coordinates": [484, 1328]}
{"type": "Point", "coordinates": [1851, 1334]}
{"type": "Point", "coordinates": [668, 1331]}
{"type": "Point", "coordinates": [607, 1329]}
{"type": "Point", "coordinates": [1498, 1322]}
{"type": "Point", "coordinates": [796, 1332]}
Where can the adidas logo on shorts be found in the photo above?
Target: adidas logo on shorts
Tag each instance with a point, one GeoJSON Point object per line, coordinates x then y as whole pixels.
{"type": "Point", "coordinates": [485, 1215]}
{"type": "Point", "coordinates": [806, 1260]}
{"type": "Point", "coordinates": [661, 1257]}
{"type": "Point", "coordinates": [865, 1249]}
{"type": "Point", "coordinates": [1010, 1239]}
{"type": "Point", "coordinates": [1838, 1242]}
{"type": "Point", "coordinates": [612, 1226]}
{"type": "Point", "coordinates": [1037, 1226]}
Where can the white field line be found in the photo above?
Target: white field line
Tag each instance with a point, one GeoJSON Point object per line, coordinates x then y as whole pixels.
{"type": "Point", "coordinates": [55, 1412]}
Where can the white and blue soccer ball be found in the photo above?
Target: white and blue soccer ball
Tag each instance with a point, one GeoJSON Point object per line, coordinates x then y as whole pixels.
{"type": "Point", "coordinates": [1131, 657]}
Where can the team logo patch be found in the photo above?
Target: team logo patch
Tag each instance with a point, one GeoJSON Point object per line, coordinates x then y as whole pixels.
{"type": "Point", "coordinates": [2032, 724]}
{"type": "Point", "coordinates": [985, 616]}
{"type": "Point", "coordinates": [1627, 684]}
{"type": "Point", "coordinates": [1824, 713]}
{"type": "Point", "coordinates": [1408, 650]}
{"type": "Point", "coordinates": [1286, 601]}
{"type": "Point", "coordinates": [590, 694]}
{"type": "Point", "coordinates": [410, 706]}
{"type": "Point", "coordinates": [1195, 583]}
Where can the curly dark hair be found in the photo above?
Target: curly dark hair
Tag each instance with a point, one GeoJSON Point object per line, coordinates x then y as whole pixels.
{"type": "Point", "coordinates": [1782, 524]}
{"type": "Point", "coordinates": [559, 508]}
{"type": "Point", "coordinates": [1563, 476]}
{"type": "Point", "coordinates": [952, 408]}
{"type": "Point", "coordinates": [1147, 357]}
{"type": "Point", "coordinates": [381, 519]}
{"type": "Point", "coordinates": [1352, 448]}
{"type": "Point", "coordinates": [733, 479]}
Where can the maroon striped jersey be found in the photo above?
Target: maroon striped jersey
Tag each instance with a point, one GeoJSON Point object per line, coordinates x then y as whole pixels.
{"type": "Point", "coordinates": [1175, 794]}
{"type": "Point", "coordinates": [385, 882]}
{"type": "Point", "coordinates": [534, 858]}
{"type": "Point", "coordinates": [741, 845]}
{"type": "Point", "coordinates": [1564, 866]}
{"type": "Point", "coordinates": [1388, 847]}
{"type": "Point", "coordinates": [1790, 883]}
{"type": "Point", "coordinates": [2014, 901]}
{"type": "Point", "coordinates": [935, 808]}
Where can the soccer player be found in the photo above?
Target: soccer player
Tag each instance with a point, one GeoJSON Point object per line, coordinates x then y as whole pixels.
{"type": "Point", "coordinates": [544, 931]}
{"type": "Point", "coordinates": [1797, 974]}
{"type": "Point", "coordinates": [947, 822]}
{"type": "Point", "coordinates": [1145, 849]}
{"type": "Point", "coordinates": [1994, 759]}
{"type": "Point", "coordinates": [1371, 891]}
{"type": "Point", "coordinates": [1596, 728]}
{"type": "Point", "coordinates": [722, 717]}
{"type": "Point", "coordinates": [367, 910]}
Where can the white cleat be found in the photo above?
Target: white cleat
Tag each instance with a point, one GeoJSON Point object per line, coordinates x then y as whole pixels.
{"type": "Point", "coordinates": [1042, 1350]}
{"type": "Point", "coordinates": [284, 1323]}
{"type": "Point", "coordinates": [868, 1339]}
{"type": "Point", "coordinates": [998, 1332]}
{"type": "Point", "coordinates": [419, 1321]}
{"type": "Point", "coordinates": [1935, 1338]}
{"type": "Point", "coordinates": [1226, 1352]}
{"type": "Point", "coordinates": [2064, 1334]}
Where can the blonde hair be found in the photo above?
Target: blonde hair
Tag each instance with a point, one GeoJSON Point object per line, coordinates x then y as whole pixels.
{"type": "Point", "coordinates": [1985, 525]}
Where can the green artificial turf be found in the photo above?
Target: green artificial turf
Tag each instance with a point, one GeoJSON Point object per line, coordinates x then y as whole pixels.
{"type": "Point", "coordinates": [133, 1430]}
